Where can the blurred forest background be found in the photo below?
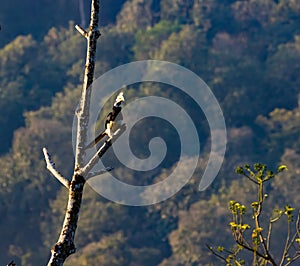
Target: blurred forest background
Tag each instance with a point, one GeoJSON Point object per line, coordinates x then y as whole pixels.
{"type": "Point", "coordinates": [247, 51]}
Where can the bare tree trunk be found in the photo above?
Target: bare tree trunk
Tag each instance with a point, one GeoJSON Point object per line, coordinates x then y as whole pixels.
{"type": "Point", "coordinates": [65, 245]}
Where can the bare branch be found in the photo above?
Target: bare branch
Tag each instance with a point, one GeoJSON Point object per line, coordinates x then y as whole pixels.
{"type": "Point", "coordinates": [65, 245]}
{"type": "Point", "coordinates": [81, 31]}
{"type": "Point", "coordinates": [51, 167]}
{"type": "Point", "coordinates": [83, 110]}
{"type": "Point", "coordinates": [100, 172]}
{"type": "Point", "coordinates": [251, 179]}
{"type": "Point", "coordinates": [265, 257]}
{"type": "Point", "coordinates": [296, 257]}
{"type": "Point", "coordinates": [216, 254]}
{"type": "Point", "coordinates": [274, 220]}
{"type": "Point", "coordinates": [298, 224]}
{"type": "Point", "coordinates": [93, 161]}
{"type": "Point", "coordinates": [285, 251]}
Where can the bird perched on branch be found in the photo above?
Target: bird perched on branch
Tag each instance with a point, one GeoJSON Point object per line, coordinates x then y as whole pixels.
{"type": "Point", "coordinates": [114, 120]}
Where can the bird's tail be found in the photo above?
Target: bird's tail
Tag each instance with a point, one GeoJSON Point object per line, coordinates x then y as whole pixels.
{"type": "Point", "coordinates": [96, 140]}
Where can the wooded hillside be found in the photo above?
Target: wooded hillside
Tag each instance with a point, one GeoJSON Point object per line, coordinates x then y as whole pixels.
{"type": "Point", "coordinates": [248, 52]}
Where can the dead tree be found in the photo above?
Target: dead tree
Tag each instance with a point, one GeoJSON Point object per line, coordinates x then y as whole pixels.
{"type": "Point", "coordinates": [65, 245]}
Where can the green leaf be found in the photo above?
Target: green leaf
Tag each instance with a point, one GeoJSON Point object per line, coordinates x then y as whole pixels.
{"type": "Point", "coordinates": [259, 167]}
{"type": "Point", "coordinates": [231, 203]}
{"type": "Point", "coordinates": [239, 170]}
{"type": "Point", "coordinates": [289, 208]}
{"type": "Point", "coordinates": [233, 225]}
{"type": "Point", "coordinates": [245, 226]}
{"type": "Point", "coordinates": [281, 168]}
{"type": "Point", "coordinates": [220, 249]}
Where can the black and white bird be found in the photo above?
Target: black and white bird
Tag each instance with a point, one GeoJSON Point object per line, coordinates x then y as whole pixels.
{"type": "Point", "coordinates": [113, 122]}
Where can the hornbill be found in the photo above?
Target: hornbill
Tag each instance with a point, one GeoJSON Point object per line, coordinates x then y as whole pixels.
{"type": "Point", "coordinates": [113, 121]}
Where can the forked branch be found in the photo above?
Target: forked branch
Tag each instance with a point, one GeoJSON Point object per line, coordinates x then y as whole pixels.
{"type": "Point", "coordinates": [51, 167]}
{"type": "Point", "coordinates": [65, 245]}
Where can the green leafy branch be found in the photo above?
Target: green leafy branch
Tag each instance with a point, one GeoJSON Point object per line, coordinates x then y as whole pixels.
{"type": "Point", "coordinates": [259, 242]}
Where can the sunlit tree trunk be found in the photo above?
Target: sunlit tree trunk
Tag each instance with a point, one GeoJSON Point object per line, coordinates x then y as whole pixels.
{"type": "Point", "coordinates": [65, 245]}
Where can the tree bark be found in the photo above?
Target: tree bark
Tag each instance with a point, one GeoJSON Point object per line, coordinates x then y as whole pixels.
{"type": "Point", "coordinates": [65, 245]}
{"type": "Point", "coordinates": [83, 111]}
